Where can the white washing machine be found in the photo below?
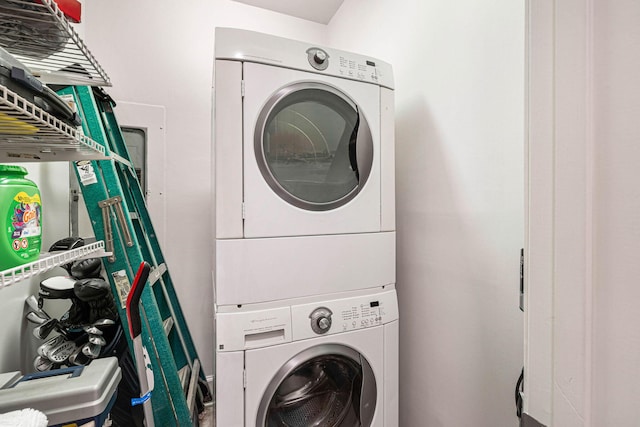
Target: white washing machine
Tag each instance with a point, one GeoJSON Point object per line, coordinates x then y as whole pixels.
{"type": "Point", "coordinates": [304, 169]}
{"type": "Point", "coordinates": [323, 363]}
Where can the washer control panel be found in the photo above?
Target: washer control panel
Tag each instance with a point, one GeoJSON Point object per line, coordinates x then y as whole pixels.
{"type": "Point", "coordinates": [242, 328]}
{"type": "Point", "coordinates": [343, 315]}
{"type": "Point", "coordinates": [361, 315]}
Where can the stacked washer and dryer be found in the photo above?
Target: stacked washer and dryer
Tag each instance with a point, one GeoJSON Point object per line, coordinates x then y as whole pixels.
{"type": "Point", "coordinates": [306, 315]}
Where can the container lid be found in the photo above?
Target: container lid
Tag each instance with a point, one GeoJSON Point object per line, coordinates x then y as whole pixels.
{"type": "Point", "coordinates": [66, 394]}
{"type": "Point", "coordinates": [13, 169]}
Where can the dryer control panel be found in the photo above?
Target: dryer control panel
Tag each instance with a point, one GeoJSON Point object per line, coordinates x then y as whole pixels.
{"type": "Point", "coordinates": [250, 46]}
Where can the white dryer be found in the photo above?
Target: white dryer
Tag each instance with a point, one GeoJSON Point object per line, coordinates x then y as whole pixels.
{"type": "Point", "coordinates": [304, 169]}
{"type": "Point", "coordinates": [323, 363]}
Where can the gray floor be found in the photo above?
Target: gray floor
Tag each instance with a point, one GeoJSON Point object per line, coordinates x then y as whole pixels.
{"type": "Point", "coordinates": [207, 419]}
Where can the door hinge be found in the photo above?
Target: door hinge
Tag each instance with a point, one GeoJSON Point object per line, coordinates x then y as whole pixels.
{"type": "Point", "coordinates": [244, 378]}
{"type": "Point", "coordinates": [242, 88]}
{"type": "Point", "coordinates": [244, 211]}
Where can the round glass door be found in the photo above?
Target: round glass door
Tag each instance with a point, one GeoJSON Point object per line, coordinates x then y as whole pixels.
{"type": "Point", "coordinates": [313, 146]}
{"type": "Point", "coordinates": [326, 386]}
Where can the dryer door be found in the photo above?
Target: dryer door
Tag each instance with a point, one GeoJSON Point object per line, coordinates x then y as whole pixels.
{"type": "Point", "coordinates": [313, 146]}
{"type": "Point", "coordinates": [311, 154]}
{"type": "Point", "coordinates": [329, 385]}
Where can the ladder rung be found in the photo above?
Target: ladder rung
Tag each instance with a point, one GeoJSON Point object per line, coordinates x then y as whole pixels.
{"type": "Point", "coordinates": [183, 375]}
{"type": "Point", "coordinates": [193, 384]}
{"type": "Point", "coordinates": [121, 159]}
{"type": "Point", "coordinates": [167, 325]}
{"type": "Point", "coordinates": [156, 273]}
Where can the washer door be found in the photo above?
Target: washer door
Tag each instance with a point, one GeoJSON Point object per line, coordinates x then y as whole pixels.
{"type": "Point", "coordinates": [313, 146]}
{"type": "Point", "coordinates": [329, 385]}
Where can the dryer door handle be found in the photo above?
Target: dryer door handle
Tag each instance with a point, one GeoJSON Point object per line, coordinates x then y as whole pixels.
{"type": "Point", "coordinates": [353, 141]}
{"type": "Point", "coordinates": [361, 149]}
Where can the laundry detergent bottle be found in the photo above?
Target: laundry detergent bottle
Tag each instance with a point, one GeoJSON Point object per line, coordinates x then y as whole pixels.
{"type": "Point", "coordinates": [20, 217]}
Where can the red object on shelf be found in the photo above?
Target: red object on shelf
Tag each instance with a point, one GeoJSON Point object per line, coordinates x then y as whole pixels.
{"type": "Point", "coordinates": [72, 9]}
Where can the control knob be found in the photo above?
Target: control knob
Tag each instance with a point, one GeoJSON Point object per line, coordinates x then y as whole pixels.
{"type": "Point", "coordinates": [324, 323]}
{"type": "Point", "coordinates": [319, 57]}
{"type": "Point", "coordinates": [321, 320]}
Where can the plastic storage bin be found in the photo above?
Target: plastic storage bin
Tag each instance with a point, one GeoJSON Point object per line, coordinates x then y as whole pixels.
{"type": "Point", "coordinates": [79, 395]}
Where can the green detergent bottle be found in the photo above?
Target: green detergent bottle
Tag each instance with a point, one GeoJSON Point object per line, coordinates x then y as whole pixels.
{"type": "Point", "coordinates": [20, 217]}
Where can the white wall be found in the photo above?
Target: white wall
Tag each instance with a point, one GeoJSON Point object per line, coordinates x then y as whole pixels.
{"type": "Point", "coordinates": [459, 72]}
{"type": "Point", "coordinates": [161, 53]}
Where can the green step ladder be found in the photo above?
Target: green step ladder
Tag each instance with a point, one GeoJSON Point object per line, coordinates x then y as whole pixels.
{"type": "Point", "coordinates": [117, 209]}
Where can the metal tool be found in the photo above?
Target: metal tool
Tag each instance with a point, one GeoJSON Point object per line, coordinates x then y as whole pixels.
{"type": "Point", "coordinates": [92, 330]}
{"type": "Point", "coordinates": [90, 350]}
{"type": "Point", "coordinates": [105, 205]}
{"type": "Point", "coordinates": [97, 340]}
{"type": "Point", "coordinates": [44, 348]}
{"type": "Point", "coordinates": [33, 304]}
{"type": "Point", "coordinates": [43, 330]}
{"type": "Point", "coordinates": [34, 317]}
{"type": "Point", "coordinates": [61, 352]}
{"type": "Point", "coordinates": [42, 364]}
